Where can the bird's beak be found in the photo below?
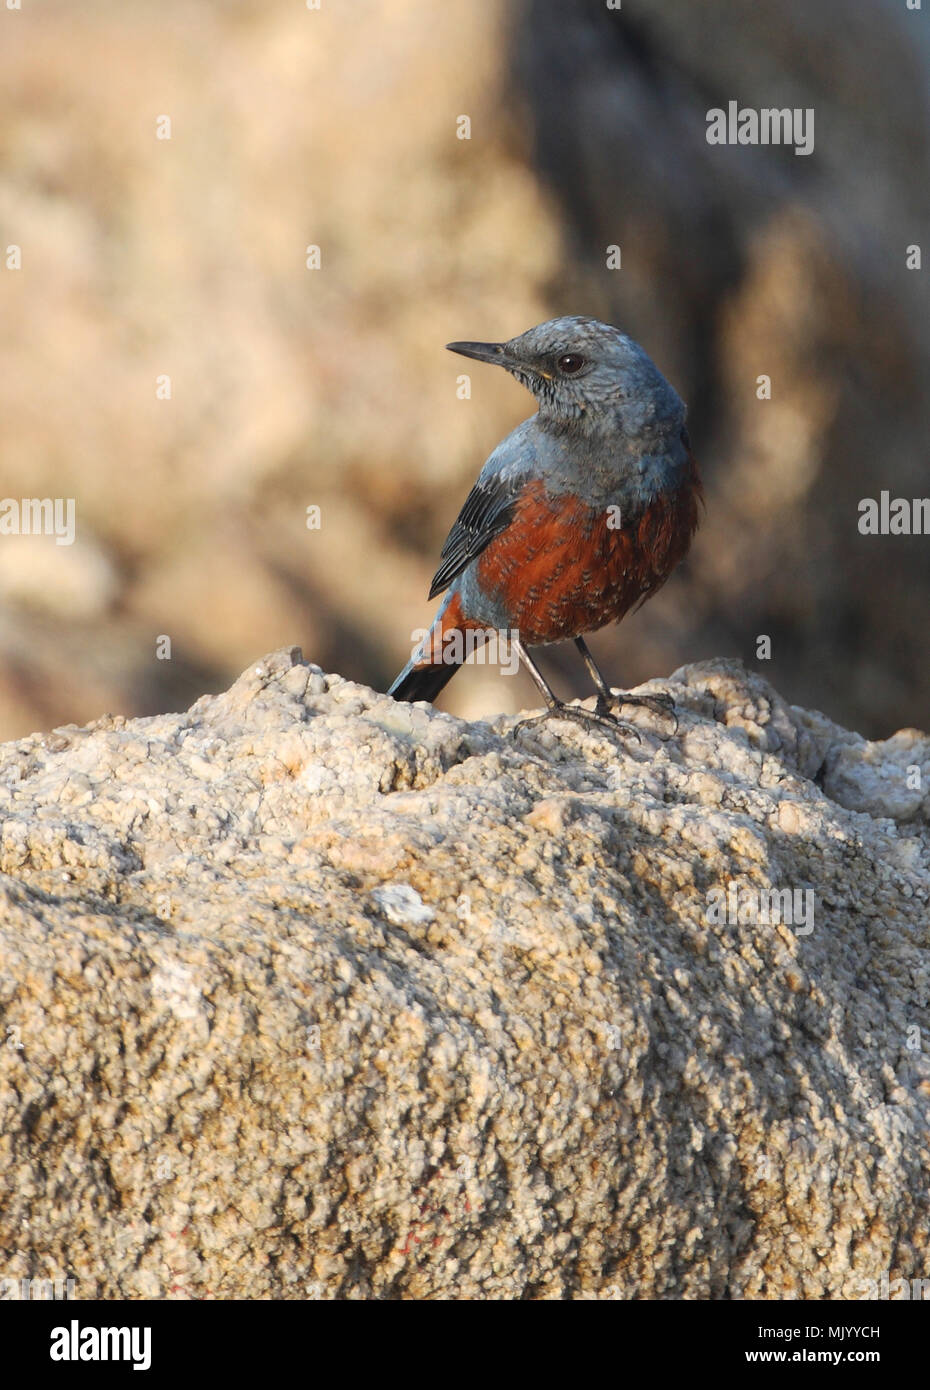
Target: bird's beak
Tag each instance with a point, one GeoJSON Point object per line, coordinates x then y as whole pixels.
{"type": "Point", "coordinates": [483, 352]}
{"type": "Point", "coordinates": [498, 354]}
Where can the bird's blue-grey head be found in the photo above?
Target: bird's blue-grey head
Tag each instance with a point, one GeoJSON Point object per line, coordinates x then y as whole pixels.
{"type": "Point", "coordinates": [582, 370]}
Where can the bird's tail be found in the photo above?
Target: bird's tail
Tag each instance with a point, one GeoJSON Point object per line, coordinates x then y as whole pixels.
{"type": "Point", "coordinates": [435, 661]}
{"type": "Point", "coordinates": [422, 682]}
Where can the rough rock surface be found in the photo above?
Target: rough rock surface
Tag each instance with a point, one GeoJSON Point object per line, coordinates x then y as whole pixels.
{"type": "Point", "coordinates": [308, 994]}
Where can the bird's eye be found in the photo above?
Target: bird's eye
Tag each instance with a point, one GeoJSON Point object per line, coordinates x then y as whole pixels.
{"type": "Point", "coordinates": [569, 363]}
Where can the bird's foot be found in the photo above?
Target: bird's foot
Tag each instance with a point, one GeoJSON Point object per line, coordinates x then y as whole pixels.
{"type": "Point", "coordinates": [580, 715]}
{"type": "Point", "coordinates": [660, 704]}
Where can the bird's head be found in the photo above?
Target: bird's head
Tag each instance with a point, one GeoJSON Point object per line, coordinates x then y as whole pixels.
{"type": "Point", "coordinates": [582, 370]}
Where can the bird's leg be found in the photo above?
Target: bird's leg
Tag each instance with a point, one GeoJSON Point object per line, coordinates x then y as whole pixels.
{"type": "Point", "coordinates": [659, 704]}
{"type": "Point", "coordinates": [558, 709]}
{"type": "Point", "coordinates": [603, 693]}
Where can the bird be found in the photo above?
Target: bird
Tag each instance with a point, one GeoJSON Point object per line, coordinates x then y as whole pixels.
{"type": "Point", "coordinates": [578, 516]}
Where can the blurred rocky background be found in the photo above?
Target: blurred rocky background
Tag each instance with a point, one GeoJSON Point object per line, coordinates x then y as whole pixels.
{"type": "Point", "coordinates": [294, 387]}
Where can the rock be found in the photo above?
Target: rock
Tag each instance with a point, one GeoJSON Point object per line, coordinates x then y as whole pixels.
{"type": "Point", "coordinates": [883, 779]}
{"type": "Point", "coordinates": [309, 994]}
{"type": "Point", "coordinates": [77, 582]}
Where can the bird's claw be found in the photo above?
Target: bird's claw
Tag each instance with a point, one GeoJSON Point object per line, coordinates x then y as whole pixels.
{"type": "Point", "coordinates": [660, 704]}
{"type": "Point", "coordinates": [580, 715]}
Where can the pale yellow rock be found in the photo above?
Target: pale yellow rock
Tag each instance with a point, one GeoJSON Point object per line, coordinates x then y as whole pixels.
{"type": "Point", "coordinates": [308, 994]}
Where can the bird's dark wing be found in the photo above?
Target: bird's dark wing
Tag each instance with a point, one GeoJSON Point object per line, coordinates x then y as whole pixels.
{"type": "Point", "coordinates": [488, 510]}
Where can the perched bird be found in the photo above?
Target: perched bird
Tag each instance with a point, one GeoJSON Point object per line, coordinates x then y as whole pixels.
{"type": "Point", "coordinates": [578, 516]}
